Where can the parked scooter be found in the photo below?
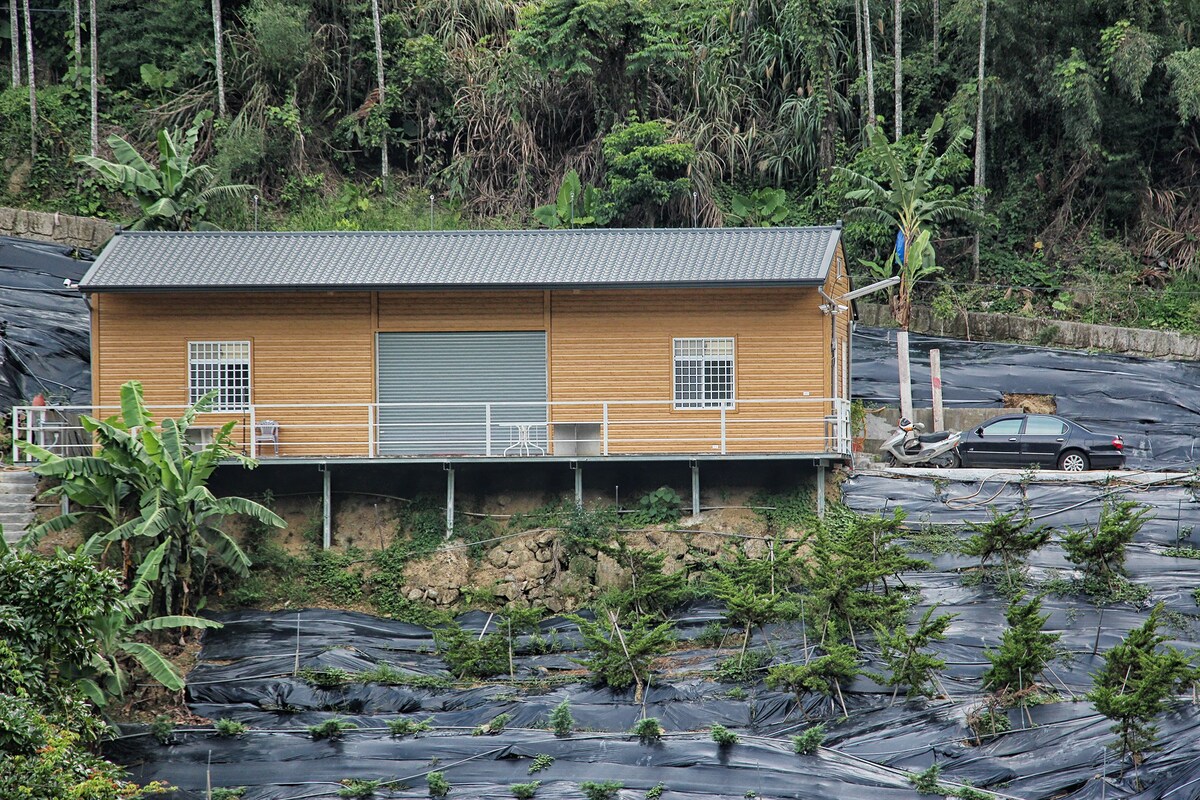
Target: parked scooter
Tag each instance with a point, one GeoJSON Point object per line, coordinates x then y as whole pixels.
{"type": "Point", "coordinates": [908, 447]}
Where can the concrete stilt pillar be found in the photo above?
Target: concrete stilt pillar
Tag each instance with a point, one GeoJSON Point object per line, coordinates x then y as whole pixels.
{"type": "Point", "coordinates": [821, 490]}
{"type": "Point", "coordinates": [449, 501]}
{"type": "Point", "coordinates": [578, 483]}
{"type": "Point", "coordinates": [326, 507]}
{"type": "Point", "coordinates": [695, 489]}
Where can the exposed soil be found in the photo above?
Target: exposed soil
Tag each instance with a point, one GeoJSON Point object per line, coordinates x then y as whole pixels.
{"type": "Point", "coordinates": [1031, 403]}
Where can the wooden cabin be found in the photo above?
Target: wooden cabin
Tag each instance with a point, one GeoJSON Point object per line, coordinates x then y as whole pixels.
{"type": "Point", "coordinates": [455, 345]}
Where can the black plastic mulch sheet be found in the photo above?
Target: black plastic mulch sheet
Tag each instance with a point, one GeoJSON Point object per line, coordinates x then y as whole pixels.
{"type": "Point", "coordinates": [1154, 405]}
{"type": "Point", "coordinates": [46, 340]}
{"type": "Point", "coordinates": [1056, 750]}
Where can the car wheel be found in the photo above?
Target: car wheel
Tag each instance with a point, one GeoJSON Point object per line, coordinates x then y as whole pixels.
{"type": "Point", "coordinates": [1073, 461]}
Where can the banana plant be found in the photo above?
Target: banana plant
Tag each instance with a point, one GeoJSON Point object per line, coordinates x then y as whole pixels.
{"type": "Point", "coordinates": [575, 206]}
{"type": "Point", "coordinates": [117, 633]}
{"type": "Point", "coordinates": [148, 486]}
{"type": "Point", "coordinates": [174, 195]}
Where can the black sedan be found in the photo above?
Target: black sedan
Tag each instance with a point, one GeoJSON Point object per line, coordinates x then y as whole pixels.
{"type": "Point", "coordinates": [1022, 440]}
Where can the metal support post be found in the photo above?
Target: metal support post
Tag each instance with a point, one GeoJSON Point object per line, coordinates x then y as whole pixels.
{"type": "Point", "coordinates": [449, 500]}
{"type": "Point", "coordinates": [326, 507]}
{"type": "Point", "coordinates": [935, 372]}
{"type": "Point", "coordinates": [695, 489]}
{"type": "Point", "coordinates": [821, 489]}
{"type": "Point", "coordinates": [578, 484]}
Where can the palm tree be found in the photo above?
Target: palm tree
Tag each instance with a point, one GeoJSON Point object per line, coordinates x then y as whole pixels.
{"type": "Point", "coordinates": [910, 204]}
{"type": "Point", "coordinates": [14, 40]}
{"type": "Point", "coordinates": [219, 52]}
{"type": "Point", "coordinates": [174, 195]}
{"type": "Point", "coordinates": [383, 156]}
{"type": "Point", "coordinates": [898, 31]}
{"type": "Point", "coordinates": [33, 115]}
{"type": "Point", "coordinates": [76, 45]}
{"type": "Point", "coordinates": [866, 12]}
{"type": "Point", "coordinates": [979, 136]}
{"type": "Point", "coordinates": [94, 79]}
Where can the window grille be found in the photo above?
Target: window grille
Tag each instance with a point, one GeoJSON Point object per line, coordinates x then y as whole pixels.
{"type": "Point", "coordinates": [704, 376]}
{"type": "Point", "coordinates": [223, 366]}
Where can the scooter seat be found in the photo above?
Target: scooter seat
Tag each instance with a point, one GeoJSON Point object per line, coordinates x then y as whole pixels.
{"type": "Point", "coordinates": [930, 438]}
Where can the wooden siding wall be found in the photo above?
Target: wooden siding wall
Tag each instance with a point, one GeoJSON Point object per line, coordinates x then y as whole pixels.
{"type": "Point", "coordinates": [319, 347]}
{"type": "Point", "coordinates": [618, 345]}
{"type": "Point", "coordinates": [312, 347]}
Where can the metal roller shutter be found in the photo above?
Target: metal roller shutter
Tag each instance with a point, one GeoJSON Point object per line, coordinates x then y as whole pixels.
{"type": "Point", "coordinates": [461, 371]}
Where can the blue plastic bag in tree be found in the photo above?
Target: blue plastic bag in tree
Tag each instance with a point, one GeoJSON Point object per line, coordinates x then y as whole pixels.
{"type": "Point", "coordinates": [899, 247]}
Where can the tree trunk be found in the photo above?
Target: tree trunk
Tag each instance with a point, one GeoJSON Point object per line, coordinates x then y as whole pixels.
{"type": "Point", "coordinates": [899, 72]}
{"type": "Point", "coordinates": [980, 150]}
{"type": "Point", "coordinates": [77, 34]}
{"type": "Point", "coordinates": [937, 31]}
{"type": "Point", "coordinates": [33, 116]}
{"type": "Point", "coordinates": [870, 62]}
{"type": "Point", "coordinates": [219, 54]}
{"type": "Point", "coordinates": [94, 77]}
{"type": "Point", "coordinates": [859, 56]}
{"type": "Point", "coordinates": [383, 155]}
{"type": "Point", "coordinates": [906, 408]}
{"type": "Point", "coordinates": [15, 42]}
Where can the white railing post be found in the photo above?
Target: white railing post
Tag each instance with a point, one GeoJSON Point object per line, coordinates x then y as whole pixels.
{"type": "Point", "coordinates": [487, 429]}
{"type": "Point", "coordinates": [722, 430]}
{"type": "Point", "coordinates": [370, 430]}
{"type": "Point", "coordinates": [253, 432]}
{"type": "Point", "coordinates": [604, 426]}
{"type": "Point", "coordinates": [16, 431]}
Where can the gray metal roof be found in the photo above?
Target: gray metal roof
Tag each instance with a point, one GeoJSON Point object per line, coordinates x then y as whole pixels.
{"type": "Point", "coordinates": [544, 259]}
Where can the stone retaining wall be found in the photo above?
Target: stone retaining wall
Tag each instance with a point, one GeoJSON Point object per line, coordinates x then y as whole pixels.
{"type": "Point", "coordinates": [87, 233]}
{"type": "Point", "coordinates": [985, 326]}
{"type": "Point", "coordinates": [532, 569]}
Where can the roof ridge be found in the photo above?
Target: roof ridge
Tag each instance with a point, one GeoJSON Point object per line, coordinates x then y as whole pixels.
{"type": "Point", "coordinates": [746, 231]}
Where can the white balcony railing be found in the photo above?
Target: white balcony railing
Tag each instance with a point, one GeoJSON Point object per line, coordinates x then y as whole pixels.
{"type": "Point", "coordinates": [804, 425]}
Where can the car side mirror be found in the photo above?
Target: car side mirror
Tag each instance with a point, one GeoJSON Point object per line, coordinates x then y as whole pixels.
{"type": "Point", "coordinates": [979, 431]}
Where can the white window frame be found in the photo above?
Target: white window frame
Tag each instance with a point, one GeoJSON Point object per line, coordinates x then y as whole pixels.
{"type": "Point", "coordinates": [694, 350]}
{"type": "Point", "coordinates": [209, 353]}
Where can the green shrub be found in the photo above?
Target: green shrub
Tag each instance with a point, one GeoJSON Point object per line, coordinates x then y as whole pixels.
{"type": "Point", "coordinates": [229, 727]}
{"type": "Point", "coordinates": [927, 782]}
{"type": "Point", "coordinates": [524, 791]}
{"type": "Point", "coordinates": [560, 719]}
{"type": "Point", "coordinates": [663, 505]}
{"type": "Point", "coordinates": [494, 727]}
{"type": "Point", "coordinates": [163, 729]}
{"type": "Point", "coordinates": [606, 790]}
{"type": "Point", "coordinates": [723, 736]}
{"type": "Point", "coordinates": [408, 727]}
{"type": "Point", "coordinates": [711, 635]}
{"type": "Point", "coordinates": [648, 730]}
{"type": "Point", "coordinates": [743, 668]}
{"type": "Point", "coordinates": [540, 762]}
{"type": "Point", "coordinates": [438, 785]}
{"type": "Point", "coordinates": [655, 791]}
{"type": "Point", "coordinates": [331, 729]}
{"type": "Point", "coordinates": [358, 788]}
{"type": "Point", "coordinates": [810, 741]}
{"type": "Point", "coordinates": [469, 656]}
{"type": "Point", "coordinates": [326, 678]}
{"type": "Point", "coordinates": [235, 793]}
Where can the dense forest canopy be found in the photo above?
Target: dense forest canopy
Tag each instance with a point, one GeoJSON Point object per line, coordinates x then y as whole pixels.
{"type": "Point", "coordinates": [677, 112]}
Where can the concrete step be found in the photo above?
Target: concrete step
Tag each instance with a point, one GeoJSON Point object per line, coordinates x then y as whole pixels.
{"type": "Point", "coordinates": [22, 518]}
{"type": "Point", "coordinates": [13, 535]}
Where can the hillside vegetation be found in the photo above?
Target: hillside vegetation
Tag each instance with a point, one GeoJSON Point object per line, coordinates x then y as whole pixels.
{"type": "Point", "coordinates": [670, 112]}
